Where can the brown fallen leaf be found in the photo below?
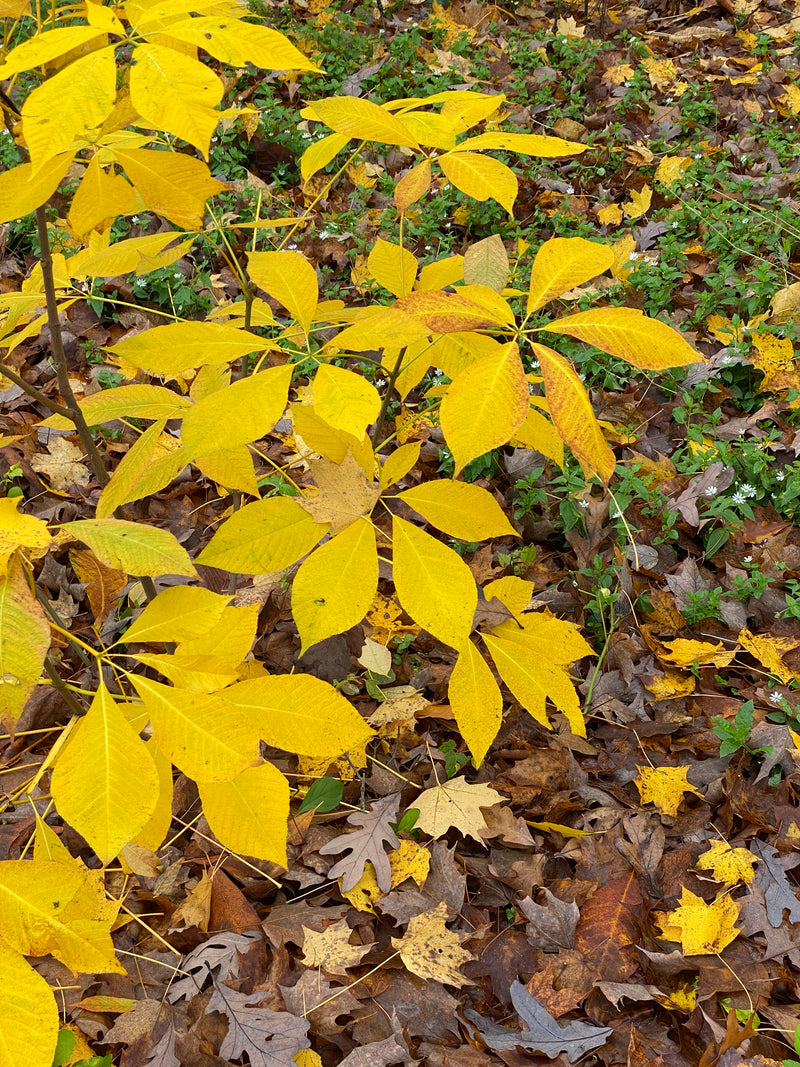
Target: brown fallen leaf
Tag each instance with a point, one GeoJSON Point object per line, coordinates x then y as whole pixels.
{"type": "Point", "coordinates": [63, 467]}
{"type": "Point", "coordinates": [344, 494]}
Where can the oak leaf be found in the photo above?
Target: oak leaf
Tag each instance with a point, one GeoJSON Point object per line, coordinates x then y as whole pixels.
{"type": "Point", "coordinates": [702, 929]}
{"type": "Point", "coordinates": [456, 803]}
{"type": "Point", "coordinates": [366, 844]}
{"type": "Point", "coordinates": [664, 787]}
{"type": "Point", "coordinates": [432, 951]}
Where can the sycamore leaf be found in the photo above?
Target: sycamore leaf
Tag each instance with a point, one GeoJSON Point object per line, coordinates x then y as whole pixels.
{"type": "Point", "coordinates": [132, 547]}
{"type": "Point", "coordinates": [434, 584]}
{"type": "Point", "coordinates": [290, 279]}
{"type": "Point", "coordinates": [28, 1014]}
{"type": "Point", "coordinates": [344, 399]}
{"type": "Point", "coordinates": [366, 844]}
{"type": "Point", "coordinates": [532, 656]}
{"type": "Point", "coordinates": [728, 865]}
{"type": "Point", "coordinates": [105, 783]}
{"type": "Point", "coordinates": [572, 414]}
{"type": "Point", "coordinates": [455, 803]}
{"type": "Point", "coordinates": [241, 413]}
{"type": "Point", "coordinates": [263, 537]}
{"type": "Point", "coordinates": [49, 906]}
{"type": "Point", "coordinates": [630, 335]}
{"type": "Point", "coordinates": [174, 351]}
{"type": "Point", "coordinates": [205, 735]}
{"type": "Point", "coordinates": [702, 929]}
{"type": "Point", "coordinates": [481, 177]}
{"type": "Point", "coordinates": [176, 93]}
{"type": "Point", "coordinates": [335, 586]}
{"type": "Point", "coordinates": [664, 786]}
{"type": "Point", "coordinates": [331, 950]}
{"type": "Point", "coordinates": [460, 509]}
{"type": "Point", "coordinates": [171, 184]}
{"type": "Point", "coordinates": [562, 264]}
{"type": "Point", "coordinates": [248, 814]}
{"type": "Point", "coordinates": [300, 713]}
{"type": "Point", "coordinates": [360, 118]}
{"type": "Point", "coordinates": [393, 267]}
{"type": "Point", "coordinates": [18, 530]}
{"type": "Point", "coordinates": [24, 640]}
{"type": "Point", "coordinates": [485, 405]}
{"type": "Point", "coordinates": [475, 700]}
{"type": "Point", "coordinates": [432, 951]}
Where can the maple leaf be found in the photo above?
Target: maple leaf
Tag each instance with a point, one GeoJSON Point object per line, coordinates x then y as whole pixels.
{"type": "Point", "coordinates": [664, 787]}
{"type": "Point", "coordinates": [456, 803]}
{"type": "Point", "coordinates": [702, 929]}
{"type": "Point", "coordinates": [728, 865]}
{"type": "Point", "coordinates": [432, 951]}
{"type": "Point", "coordinates": [344, 494]}
{"type": "Point", "coordinates": [63, 467]}
{"type": "Point", "coordinates": [366, 844]}
{"type": "Point", "coordinates": [331, 949]}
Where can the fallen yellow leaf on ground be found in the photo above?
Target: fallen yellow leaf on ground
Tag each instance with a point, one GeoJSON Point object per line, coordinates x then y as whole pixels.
{"type": "Point", "coordinates": [664, 787]}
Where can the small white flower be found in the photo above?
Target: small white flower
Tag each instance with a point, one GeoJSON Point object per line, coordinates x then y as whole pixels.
{"type": "Point", "coordinates": [633, 255]}
{"type": "Point", "coordinates": [668, 100]}
{"type": "Point", "coordinates": [380, 382]}
{"type": "Point", "coordinates": [570, 189]}
{"type": "Point", "coordinates": [780, 476]}
{"type": "Point", "coordinates": [743, 159]}
{"type": "Point", "coordinates": [738, 498]}
{"type": "Point", "coordinates": [141, 281]}
{"type": "Point", "coordinates": [698, 155]}
{"type": "Point", "coordinates": [438, 370]}
{"type": "Point", "coordinates": [177, 275]}
{"type": "Point", "coordinates": [134, 219]}
{"type": "Point", "coordinates": [583, 504]}
{"type": "Point", "coordinates": [747, 559]}
{"type": "Point", "coordinates": [776, 697]}
{"type": "Point", "coordinates": [711, 490]}
{"type": "Point", "coordinates": [674, 225]}
{"type": "Point", "coordinates": [534, 364]}
{"type": "Point", "coordinates": [748, 490]}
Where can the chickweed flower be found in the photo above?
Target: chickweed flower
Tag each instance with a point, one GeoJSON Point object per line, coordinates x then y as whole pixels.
{"type": "Point", "coordinates": [711, 490]}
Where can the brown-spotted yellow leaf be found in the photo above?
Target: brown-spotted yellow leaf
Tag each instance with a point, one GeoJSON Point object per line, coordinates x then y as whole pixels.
{"type": "Point", "coordinates": [431, 951]}
{"type": "Point", "coordinates": [728, 865]}
{"type": "Point", "coordinates": [330, 949]}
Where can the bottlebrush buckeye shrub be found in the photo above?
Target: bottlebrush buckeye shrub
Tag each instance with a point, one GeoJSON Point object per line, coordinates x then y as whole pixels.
{"type": "Point", "coordinates": [116, 90]}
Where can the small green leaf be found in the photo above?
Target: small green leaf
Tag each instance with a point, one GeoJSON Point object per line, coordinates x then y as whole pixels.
{"type": "Point", "coordinates": [409, 820]}
{"type": "Point", "coordinates": [324, 795]}
{"type": "Point", "coordinates": [65, 1046]}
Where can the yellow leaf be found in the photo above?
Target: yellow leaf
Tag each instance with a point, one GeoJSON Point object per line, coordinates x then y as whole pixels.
{"type": "Point", "coordinates": [230, 467]}
{"type": "Point", "coordinates": [365, 892]}
{"type": "Point", "coordinates": [105, 782]}
{"type": "Point", "coordinates": [412, 186]}
{"type": "Point", "coordinates": [539, 434]}
{"type": "Point", "coordinates": [484, 407]}
{"type": "Point", "coordinates": [442, 273]}
{"type": "Point", "coordinates": [528, 144]}
{"type": "Point", "coordinates": [431, 951]}
{"type": "Point", "coordinates": [290, 279]}
{"type": "Point", "coordinates": [671, 168]}
{"type": "Point", "coordinates": [320, 437]}
{"type": "Point", "coordinates": [775, 357]}
{"type": "Point", "coordinates": [53, 115]}
{"type": "Point", "coordinates": [361, 119]}
{"type": "Point", "coordinates": [790, 100]}
{"type": "Point", "coordinates": [563, 263]}
{"type": "Point", "coordinates": [126, 401]}
{"type": "Point", "coordinates": [393, 267]}
{"type": "Point", "coordinates": [702, 929]}
{"type": "Point", "coordinates": [475, 700]}
{"type": "Point", "coordinates": [460, 509]}
{"type": "Point", "coordinates": [248, 814]}
{"type": "Point", "coordinates": [132, 547]}
{"type": "Point", "coordinates": [664, 787]}
{"type": "Point", "coordinates": [140, 254]}
{"type": "Point", "coordinates": [430, 129]}
{"type": "Point", "coordinates": [728, 865]}
{"type": "Point", "coordinates": [263, 537]}
{"type": "Point", "coordinates": [175, 93]}
{"type": "Point", "coordinates": [28, 1014]}
{"type": "Point", "coordinates": [409, 860]}
{"type": "Point", "coordinates": [639, 202]}
{"type": "Point", "coordinates": [307, 1057]}
{"type": "Point", "coordinates": [150, 464]}
{"type": "Point", "coordinates": [330, 949]}
{"type": "Point", "coordinates": [481, 177]}
{"type": "Point", "coordinates": [784, 305]}
{"type": "Point", "coordinates": [532, 657]}
{"type": "Point", "coordinates": [450, 312]}
{"type": "Point", "coordinates": [20, 531]}
{"type": "Point", "coordinates": [514, 592]}
{"type": "Point", "coordinates": [243, 412]}
{"type": "Point", "coordinates": [239, 43]}
{"type": "Point", "coordinates": [456, 803]}
{"type": "Point", "coordinates": [661, 72]}
{"type": "Point", "coordinates": [683, 653]}
{"type": "Point", "coordinates": [21, 192]}
{"type": "Point", "coordinates": [300, 713]}
{"type": "Point", "coordinates": [399, 463]}
{"type": "Point", "coordinates": [171, 184]}
{"type": "Point", "coordinates": [572, 414]}
{"type": "Point", "coordinates": [174, 351]}
{"type": "Point", "coordinates": [203, 674]}
{"type": "Point", "coordinates": [610, 215]}
{"type": "Point", "coordinates": [320, 154]}
{"type": "Point", "coordinates": [344, 494]}
{"type": "Point", "coordinates": [24, 641]}
{"type": "Point", "coordinates": [205, 735]}
{"type": "Point", "coordinates": [434, 584]}
{"type": "Point", "coordinates": [344, 399]}
{"type": "Point", "coordinates": [48, 906]}
{"type": "Point", "coordinates": [100, 198]}
{"type": "Point", "coordinates": [153, 833]}
{"type": "Point", "coordinates": [768, 651]}
{"type": "Point", "coordinates": [336, 584]}
{"type": "Point", "coordinates": [42, 49]}
{"type": "Point", "coordinates": [625, 332]}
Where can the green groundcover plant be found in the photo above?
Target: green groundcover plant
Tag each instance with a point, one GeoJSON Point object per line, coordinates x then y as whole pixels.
{"type": "Point", "coordinates": [121, 104]}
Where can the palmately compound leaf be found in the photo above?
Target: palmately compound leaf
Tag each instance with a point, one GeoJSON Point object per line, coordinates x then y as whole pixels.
{"type": "Point", "coordinates": [248, 814]}
{"type": "Point", "coordinates": [476, 701]}
{"type": "Point", "coordinates": [28, 1014]}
